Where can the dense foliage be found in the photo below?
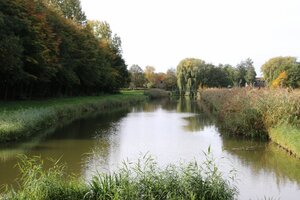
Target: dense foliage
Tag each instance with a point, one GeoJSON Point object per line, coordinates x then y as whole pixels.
{"type": "Point", "coordinates": [148, 78]}
{"type": "Point", "coordinates": [48, 49]}
{"type": "Point", "coordinates": [282, 71]}
{"type": "Point", "coordinates": [193, 73]}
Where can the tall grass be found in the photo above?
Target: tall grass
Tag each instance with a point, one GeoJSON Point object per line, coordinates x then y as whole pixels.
{"type": "Point", "coordinates": [37, 183]}
{"type": "Point", "coordinates": [262, 113]}
{"type": "Point", "coordinates": [22, 119]}
{"type": "Point", "coordinates": [140, 180]}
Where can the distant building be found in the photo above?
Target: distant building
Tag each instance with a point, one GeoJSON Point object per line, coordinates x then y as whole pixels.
{"type": "Point", "coordinates": [259, 82]}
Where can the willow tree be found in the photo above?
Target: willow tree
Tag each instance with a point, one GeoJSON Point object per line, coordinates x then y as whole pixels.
{"type": "Point", "coordinates": [190, 74]}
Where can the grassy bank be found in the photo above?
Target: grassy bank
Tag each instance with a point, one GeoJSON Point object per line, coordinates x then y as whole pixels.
{"type": "Point", "coordinates": [141, 180]}
{"type": "Point", "coordinates": [156, 93]}
{"type": "Point", "coordinates": [19, 120]}
{"type": "Point", "coordinates": [263, 113]}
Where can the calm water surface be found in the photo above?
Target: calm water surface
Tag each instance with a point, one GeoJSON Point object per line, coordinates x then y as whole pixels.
{"type": "Point", "coordinates": [170, 131]}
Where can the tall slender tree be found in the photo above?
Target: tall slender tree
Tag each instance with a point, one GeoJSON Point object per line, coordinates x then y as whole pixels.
{"type": "Point", "coordinates": [250, 72]}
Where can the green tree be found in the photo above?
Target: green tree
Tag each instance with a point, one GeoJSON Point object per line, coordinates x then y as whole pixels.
{"type": "Point", "coordinates": [191, 73]}
{"type": "Point", "coordinates": [275, 66]}
{"type": "Point", "coordinates": [113, 52]}
{"type": "Point", "coordinates": [245, 73]}
{"type": "Point", "coordinates": [43, 53]}
{"type": "Point", "coordinates": [137, 77]}
{"type": "Point", "coordinates": [70, 9]}
{"type": "Point", "coordinates": [250, 72]}
{"type": "Point", "coordinates": [150, 76]}
{"type": "Point", "coordinates": [231, 74]}
{"type": "Point", "coordinates": [101, 30]}
{"type": "Point", "coordinates": [217, 77]}
{"type": "Point", "coordinates": [294, 76]}
{"type": "Point", "coordinates": [171, 79]}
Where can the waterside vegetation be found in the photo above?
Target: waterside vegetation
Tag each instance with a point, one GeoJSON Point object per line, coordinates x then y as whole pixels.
{"type": "Point", "coordinates": [19, 120]}
{"type": "Point", "coordinates": [140, 180]}
{"type": "Point", "coordinates": [258, 113]}
{"type": "Point", "coordinates": [157, 93]}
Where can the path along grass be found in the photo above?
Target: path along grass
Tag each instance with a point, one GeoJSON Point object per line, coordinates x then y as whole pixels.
{"type": "Point", "coordinates": [21, 119]}
{"type": "Point", "coordinates": [259, 113]}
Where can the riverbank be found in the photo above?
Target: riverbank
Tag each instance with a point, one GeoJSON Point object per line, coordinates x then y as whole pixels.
{"type": "Point", "coordinates": [157, 93]}
{"type": "Point", "coordinates": [22, 119]}
{"type": "Point", "coordinates": [141, 180]}
{"type": "Point", "coordinates": [258, 113]}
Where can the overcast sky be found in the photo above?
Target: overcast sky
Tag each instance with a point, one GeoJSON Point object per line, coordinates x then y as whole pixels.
{"type": "Point", "coordinates": [163, 32]}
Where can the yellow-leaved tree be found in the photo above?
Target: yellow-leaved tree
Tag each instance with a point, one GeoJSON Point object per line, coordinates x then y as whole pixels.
{"type": "Point", "coordinates": [280, 81]}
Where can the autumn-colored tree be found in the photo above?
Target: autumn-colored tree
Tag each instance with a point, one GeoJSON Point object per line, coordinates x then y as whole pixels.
{"type": "Point", "coordinates": [159, 80]}
{"type": "Point", "coordinates": [275, 66]}
{"type": "Point", "coordinates": [44, 53]}
{"type": "Point", "coordinates": [280, 81]}
{"type": "Point", "coordinates": [171, 79]}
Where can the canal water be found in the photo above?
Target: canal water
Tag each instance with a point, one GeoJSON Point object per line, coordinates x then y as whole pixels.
{"type": "Point", "coordinates": [172, 132]}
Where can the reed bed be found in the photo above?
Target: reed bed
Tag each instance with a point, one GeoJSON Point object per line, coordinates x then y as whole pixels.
{"type": "Point", "coordinates": [259, 113]}
{"type": "Point", "coordinates": [140, 180]}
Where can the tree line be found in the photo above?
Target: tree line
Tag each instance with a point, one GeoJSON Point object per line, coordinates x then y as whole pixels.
{"type": "Point", "coordinates": [193, 73]}
{"type": "Point", "coordinates": [48, 49]}
{"type": "Point", "coordinates": [148, 78]}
